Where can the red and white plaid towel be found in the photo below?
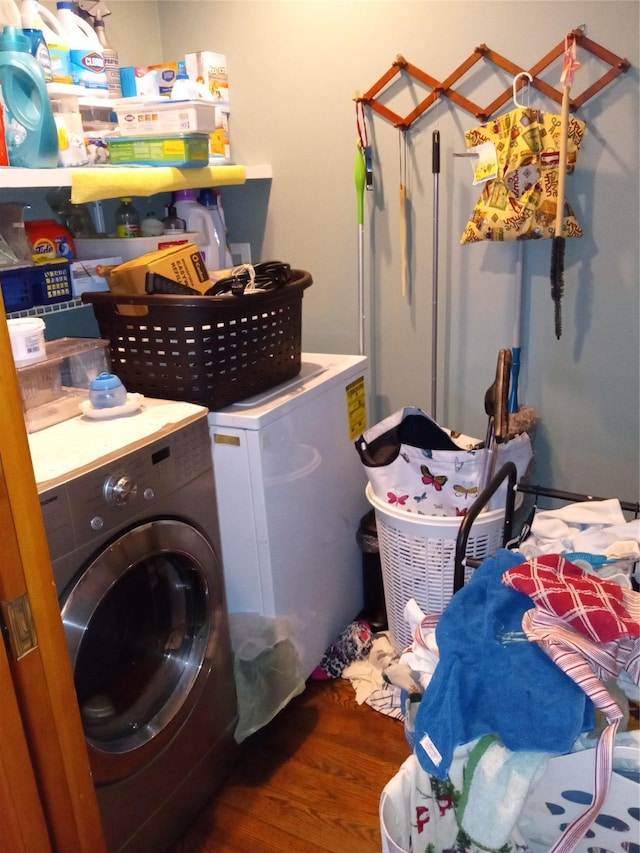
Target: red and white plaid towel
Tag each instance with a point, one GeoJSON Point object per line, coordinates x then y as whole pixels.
{"type": "Point", "coordinates": [591, 629]}
{"type": "Point", "coordinates": [599, 609]}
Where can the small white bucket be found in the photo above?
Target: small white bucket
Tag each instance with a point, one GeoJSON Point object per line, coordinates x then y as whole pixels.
{"type": "Point", "coordinates": [27, 340]}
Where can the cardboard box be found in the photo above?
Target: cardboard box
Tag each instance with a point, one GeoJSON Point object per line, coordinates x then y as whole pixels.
{"type": "Point", "coordinates": [182, 263]}
{"type": "Point", "coordinates": [209, 68]}
{"type": "Point", "coordinates": [167, 73]}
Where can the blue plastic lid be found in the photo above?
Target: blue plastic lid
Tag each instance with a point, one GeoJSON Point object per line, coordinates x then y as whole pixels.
{"type": "Point", "coordinates": [208, 197]}
{"type": "Point", "coordinates": [105, 382]}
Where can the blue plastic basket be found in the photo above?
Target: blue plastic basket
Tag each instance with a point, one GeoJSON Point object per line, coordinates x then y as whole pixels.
{"type": "Point", "coordinates": [42, 284]}
{"type": "Point", "coordinates": [16, 290]}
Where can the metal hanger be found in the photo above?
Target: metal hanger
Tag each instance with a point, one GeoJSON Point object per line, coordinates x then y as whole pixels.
{"type": "Point", "coordinates": [514, 88]}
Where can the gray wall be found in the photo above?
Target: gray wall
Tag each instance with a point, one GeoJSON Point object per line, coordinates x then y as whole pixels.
{"type": "Point", "coordinates": [295, 68]}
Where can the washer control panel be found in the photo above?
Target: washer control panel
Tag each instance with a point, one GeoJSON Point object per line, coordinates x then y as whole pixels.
{"type": "Point", "coordinates": [111, 496]}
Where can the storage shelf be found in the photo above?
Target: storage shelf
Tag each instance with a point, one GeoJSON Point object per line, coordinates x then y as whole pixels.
{"type": "Point", "coordinates": [41, 310]}
{"type": "Point", "coordinates": [98, 183]}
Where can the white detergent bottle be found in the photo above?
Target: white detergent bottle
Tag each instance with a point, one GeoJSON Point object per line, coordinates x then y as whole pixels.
{"type": "Point", "coordinates": [9, 14]}
{"type": "Point", "coordinates": [209, 198]}
{"type": "Point", "coordinates": [85, 51]}
{"type": "Point", "coordinates": [35, 16]}
{"type": "Point", "coordinates": [197, 219]}
{"type": "Point", "coordinates": [184, 89]}
{"type": "Point", "coordinates": [218, 196]}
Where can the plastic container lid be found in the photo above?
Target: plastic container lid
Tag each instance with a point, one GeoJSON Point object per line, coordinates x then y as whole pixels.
{"type": "Point", "coordinates": [185, 195]}
{"type": "Point", "coordinates": [13, 38]}
{"type": "Point", "coordinates": [105, 382]}
{"type": "Point", "coordinates": [106, 391]}
{"type": "Point", "coordinates": [208, 197]}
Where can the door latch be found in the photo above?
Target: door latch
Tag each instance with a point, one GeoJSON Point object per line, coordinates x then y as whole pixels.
{"type": "Point", "coordinates": [18, 626]}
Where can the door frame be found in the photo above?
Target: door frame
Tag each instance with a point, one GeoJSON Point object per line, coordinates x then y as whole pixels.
{"type": "Point", "coordinates": [41, 678]}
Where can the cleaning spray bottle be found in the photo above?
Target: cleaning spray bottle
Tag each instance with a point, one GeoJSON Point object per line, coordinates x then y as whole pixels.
{"type": "Point", "coordinates": [85, 51]}
{"type": "Point", "coordinates": [35, 16]}
{"type": "Point", "coordinates": [31, 133]}
{"type": "Point", "coordinates": [209, 198]}
{"type": "Point", "coordinates": [98, 11]}
{"type": "Point", "coordinates": [197, 219]}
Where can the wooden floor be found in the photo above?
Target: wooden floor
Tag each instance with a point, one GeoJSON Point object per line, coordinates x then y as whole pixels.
{"type": "Point", "coordinates": [308, 782]}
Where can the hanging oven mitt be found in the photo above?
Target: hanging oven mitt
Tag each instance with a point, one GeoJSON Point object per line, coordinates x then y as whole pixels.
{"type": "Point", "coordinates": [520, 202]}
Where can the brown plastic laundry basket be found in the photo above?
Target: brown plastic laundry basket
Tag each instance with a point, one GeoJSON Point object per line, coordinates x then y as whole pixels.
{"type": "Point", "coordinates": [211, 350]}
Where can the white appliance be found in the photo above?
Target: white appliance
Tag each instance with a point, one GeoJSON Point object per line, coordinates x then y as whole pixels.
{"type": "Point", "coordinates": [291, 492]}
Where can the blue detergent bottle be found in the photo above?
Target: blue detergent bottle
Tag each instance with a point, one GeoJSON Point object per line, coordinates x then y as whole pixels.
{"type": "Point", "coordinates": [30, 128]}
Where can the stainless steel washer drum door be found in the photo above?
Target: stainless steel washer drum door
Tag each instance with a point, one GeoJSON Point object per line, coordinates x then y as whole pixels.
{"type": "Point", "coordinates": [140, 625]}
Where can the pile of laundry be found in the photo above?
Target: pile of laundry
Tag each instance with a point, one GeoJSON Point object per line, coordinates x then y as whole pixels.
{"type": "Point", "coordinates": [537, 657]}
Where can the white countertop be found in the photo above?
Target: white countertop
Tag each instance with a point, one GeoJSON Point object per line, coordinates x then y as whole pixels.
{"type": "Point", "coordinates": [79, 443]}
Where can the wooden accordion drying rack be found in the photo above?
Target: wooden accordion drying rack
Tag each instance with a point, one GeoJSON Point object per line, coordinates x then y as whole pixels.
{"type": "Point", "coordinates": [444, 88]}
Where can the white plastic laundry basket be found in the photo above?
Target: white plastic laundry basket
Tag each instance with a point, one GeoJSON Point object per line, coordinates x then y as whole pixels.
{"type": "Point", "coordinates": [417, 558]}
{"type": "Point", "coordinates": [565, 791]}
{"type": "Point", "coordinates": [562, 793]}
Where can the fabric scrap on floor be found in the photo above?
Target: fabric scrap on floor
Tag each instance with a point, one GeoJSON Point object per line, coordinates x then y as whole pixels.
{"type": "Point", "coordinates": [353, 644]}
{"type": "Point", "coordinates": [366, 676]}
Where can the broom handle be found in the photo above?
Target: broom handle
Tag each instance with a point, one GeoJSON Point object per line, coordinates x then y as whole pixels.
{"type": "Point", "coordinates": [403, 237]}
{"type": "Point", "coordinates": [360, 183]}
{"type": "Point", "coordinates": [562, 163]}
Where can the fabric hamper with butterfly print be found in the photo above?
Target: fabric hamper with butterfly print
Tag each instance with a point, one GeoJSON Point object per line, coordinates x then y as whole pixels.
{"type": "Point", "coordinates": [414, 464]}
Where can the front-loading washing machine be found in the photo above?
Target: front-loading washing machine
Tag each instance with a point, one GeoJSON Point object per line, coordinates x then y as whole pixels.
{"type": "Point", "coordinates": [135, 552]}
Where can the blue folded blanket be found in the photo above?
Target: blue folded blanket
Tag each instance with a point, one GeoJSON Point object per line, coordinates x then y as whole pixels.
{"type": "Point", "coordinates": [491, 680]}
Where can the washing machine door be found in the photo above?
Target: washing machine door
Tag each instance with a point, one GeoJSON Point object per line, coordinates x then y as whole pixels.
{"type": "Point", "coordinates": [141, 623]}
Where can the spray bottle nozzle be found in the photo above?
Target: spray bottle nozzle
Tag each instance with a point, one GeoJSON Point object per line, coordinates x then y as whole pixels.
{"type": "Point", "coordinates": [94, 8]}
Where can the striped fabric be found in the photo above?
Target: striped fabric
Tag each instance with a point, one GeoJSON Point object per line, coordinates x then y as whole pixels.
{"type": "Point", "coordinates": [592, 636]}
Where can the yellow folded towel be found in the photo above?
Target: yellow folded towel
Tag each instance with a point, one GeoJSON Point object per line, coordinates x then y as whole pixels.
{"type": "Point", "coordinates": [96, 183]}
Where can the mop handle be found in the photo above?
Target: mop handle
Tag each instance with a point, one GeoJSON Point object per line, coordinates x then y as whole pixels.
{"type": "Point", "coordinates": [360, 181]}
{"type": "Point", "coordinates": [435, 168]}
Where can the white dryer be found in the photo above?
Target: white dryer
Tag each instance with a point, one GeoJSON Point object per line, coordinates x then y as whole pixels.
{"type": "Point", "coordinates": [291, 492]}
{"type": "Point", "coordinates": [129, 510]}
